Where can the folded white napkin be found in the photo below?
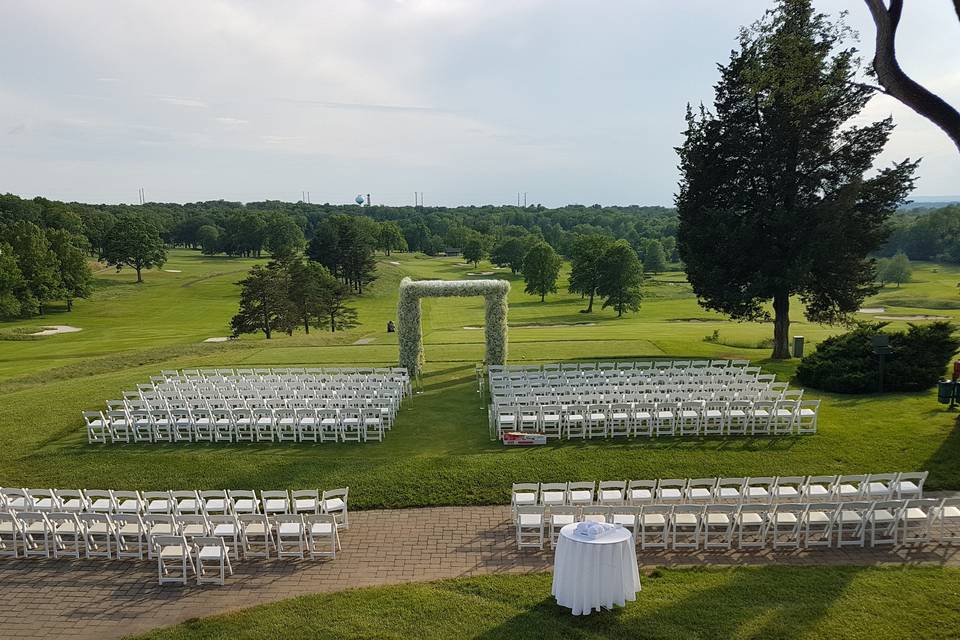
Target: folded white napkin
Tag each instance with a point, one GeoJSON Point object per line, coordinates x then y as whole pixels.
{"type": "Point", "coordinates": [592, 529]}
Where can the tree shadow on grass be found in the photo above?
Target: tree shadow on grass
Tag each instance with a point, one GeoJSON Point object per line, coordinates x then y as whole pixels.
{"type": "Point", "coordinates": [943, 464]}
{"type": "Point", "coordinates": [769, 602]}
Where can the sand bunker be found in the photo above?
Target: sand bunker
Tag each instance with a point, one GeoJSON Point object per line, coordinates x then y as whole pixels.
{"type": "Point", "coordinates": [396, 263]}
{"type": "Point", "coordinates": [173, 270]}
{"type": "Point", "coordinates": [364, 341]}
{"type": "Point", "coordinates": [872, 310]}
{"type": "Point", "coordinates": [473, 328]}
{"type": "Point", "coordinates": [694, 319]}
{"type": "Point", "coordinates": [912, 318]}
{"type": "Point", "coordinates": [55, 329]}
{"type": "Point", "coordinates": [480, 273]}
{"type": "Point", "coordinates": [218, 339]}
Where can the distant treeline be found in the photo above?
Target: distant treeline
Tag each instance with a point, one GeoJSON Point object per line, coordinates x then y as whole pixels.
{"type": "Point", "coordinates": [926, 234]}
{"type": "Point", "coordinates": [248, 229]}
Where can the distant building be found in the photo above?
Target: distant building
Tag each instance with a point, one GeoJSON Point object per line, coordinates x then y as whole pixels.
{"type": "Point", "coordinates": [453, 252]}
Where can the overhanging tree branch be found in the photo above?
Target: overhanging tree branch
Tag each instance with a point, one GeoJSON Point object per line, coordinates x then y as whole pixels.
{"type": "Point", "coordinates": [896, 82]}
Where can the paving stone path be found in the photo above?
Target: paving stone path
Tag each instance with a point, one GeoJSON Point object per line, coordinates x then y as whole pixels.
{"type": "Point", "coordinates": [99, 600]}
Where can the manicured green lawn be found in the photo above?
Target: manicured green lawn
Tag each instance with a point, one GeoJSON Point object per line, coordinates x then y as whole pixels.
{"type": "Point", "coordinates": [439, 452]}
{"type": "Point", "coordinates": [782, 603]}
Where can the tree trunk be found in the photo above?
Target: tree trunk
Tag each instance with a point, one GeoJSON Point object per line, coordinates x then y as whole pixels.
{"type": "Point", "coordinates": [306, 325]}
{"type": "Point", "coordinates": [542, 296]}
{"type": "Point", "coordinates": [333, 323]}
{"type": "Point", "coordinates": [139, 277]}
{"type": "Point", "coordinates": [781, 327]}
{"type": "Point", "coordinates": [69, 304]}
{"type": "Point", "coordinates": [590, 304]}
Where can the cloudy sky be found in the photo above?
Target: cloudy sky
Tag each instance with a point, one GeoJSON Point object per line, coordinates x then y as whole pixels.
{"type": "Point", "coordinates": [468, 102]}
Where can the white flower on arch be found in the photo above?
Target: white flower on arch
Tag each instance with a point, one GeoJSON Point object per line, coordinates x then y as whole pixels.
{"type": "Point", "coordinates": [410, 329]}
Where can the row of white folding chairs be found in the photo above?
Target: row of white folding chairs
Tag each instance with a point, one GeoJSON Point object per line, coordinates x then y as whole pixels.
{"type": "Point", "coordinates": [180, 502]}
{"type": "Point", "coordinates": [257, 372]}
{"type": "Point", "coordinates": [873, 486]}
{"type": "Point", "coordinates": [575, 374]}
{"type": "Point", "coordinates": [101, 535]}
{"type": "Point", "coordinates": [270, 387]}
{"type": "Point", "coordinates": [612, 395]}
{"type": "Point", "coordinates": [262, 424]}
{"type": "Point", "coordinates": [695, 418]}
{"type": "Point", "coordinates": [781, 525]}
{"type": "Point", "coordinates": [657, 382]}
{"type": "Point", "coordinates": [399, 378]}
{"type": "Point", "coordinates": [147, 403]}
{"type": "Point", "coordinates": [623, 365]}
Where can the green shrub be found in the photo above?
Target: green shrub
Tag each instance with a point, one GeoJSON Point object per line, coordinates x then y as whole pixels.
{"type": "Point", "coordinates": [847, 364]}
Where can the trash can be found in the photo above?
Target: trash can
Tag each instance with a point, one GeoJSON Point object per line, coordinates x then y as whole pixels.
{"type": "Point", "coordinates": [797, 346]}
{"type": "Point", "coordinates": [945, 391]}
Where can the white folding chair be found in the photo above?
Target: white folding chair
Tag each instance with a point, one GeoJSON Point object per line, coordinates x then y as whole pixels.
{"type": "Point", "coordinates": [70, 500]}
{"type": "Point", "coordinates": [640, 492]}
{"type": "Point", "coordinates": [323, 539]}
{"type": "Point", "coordinates": [947, 520]}
{"type": "Point", "coordinates": [559, 517]}
{"type": "Point", "coordinates": [97, 429]}
{"type": "Point", "coordinates": [67, 537]}
{"type": "Point", "coordinates": [759, 489]}
{"type": "Point", "coordinates": [917, 518]}
{"type": "Point", "coordinates": [43, 500]}
{"type": "Point", "coordinates": [819, 488]}
{"type": "Point", "coordinates": [654, 524]}
{"type": "Point", "coordinates": [730, 490]}
{"type": "Point", "coordinates": [227, 528]}
{"type": "Point", "coordinates": [751, 523]}
{"type": "Point", "coordinates": [884, 520]}
{"type": "Point", "coordinates": [880, 486]}
{"type": "Point", "coordinates": [290, 535]}
{"type": "Point", "coordinates": [256, 535]}
{"type": "Point", "coordinates": [214, 502]}
{"type": "Point", "coordinates": [11, 538]}
{"type": "Point", "coordinates": [851, 487]}
{"type": "Point", "coordinates": [98, 534]}
{"type": "Point", "coordinates": [594, 513]}
{"type": "Point", "coordinates": [851, 523]}
{"type": "Point", "coordinates": [334, 502]}
{"type": "Point", "coordinates": [530, 521]}
{"type": "Point", "coordinates": [36, 532]}
{"type": "Point", "coordinates": [818, 524]}
{"type": "Point", "coordinates": [611, 492]}
{"type": "Point", "coordinates": [553, 494]}
{"type": "Point", "coordinates": [624, 516]}
{"type": "Point", "coordinates": [157, 525]}
{"type": "Point", "coordinates": [275, 502]}
{"type": "Point", "coordinates": [700, 490]}
{"type": "Point", "coordinates": [574, 422]}
{"type": "Point", "coordinates": [671, 491]}
{"type": "Point", "coordinates": [910, 485]}
{"type": "Point", "coordinates": [131, 535]}
{"type": "Point", "coordinates": [786, 521]}
{"type": "Point", "coordinates": [186, 502]}
{"type": "Point", "coordinates": [718, 523]}
{"type": "Point", "coordinates": [212, 555]}
{"type": "Point", "coordinates": [580, 494]}
{"type": "Point", "coordinates": [174, 559]}
{"type": "Point", "coordinates": [686, 525]}
{"type": "Point", "coordinates": [243, 501]}
{"type": "Point", "coordinates": [127, 502]}
{"type": "Point", "coordinates": [807, 413]}
{"type": "Point", "coordinates": [305, 501]}
{"type": "Point", "coordinates": [524, 494]}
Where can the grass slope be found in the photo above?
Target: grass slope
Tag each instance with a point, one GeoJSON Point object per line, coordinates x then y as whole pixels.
{"type": "Point", "coordinates": [783, 603]}
{"type": "Point", "coordinates": [439, 452]}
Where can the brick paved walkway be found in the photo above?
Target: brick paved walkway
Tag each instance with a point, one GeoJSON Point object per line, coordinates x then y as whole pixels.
{"type": "Point", "coordinates": [97, 599]}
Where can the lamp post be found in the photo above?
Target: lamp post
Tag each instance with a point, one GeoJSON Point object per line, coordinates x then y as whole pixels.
{"type": "Point", "coordinates": [881, 348]}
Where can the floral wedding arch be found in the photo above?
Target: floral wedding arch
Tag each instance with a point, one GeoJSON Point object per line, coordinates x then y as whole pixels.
{"type": "Point", "coordinates": [410, 330]}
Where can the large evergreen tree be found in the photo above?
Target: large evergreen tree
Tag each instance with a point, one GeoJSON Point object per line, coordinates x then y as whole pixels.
{"type": "Point", "coordinates": [264, 302]}
{"type": "Point", "coordinates": [773, 200]}
{"type": "Point", "coordinates": [621, 275]}
{"type": "Point", "coordinates": [541, 267]}
{"type": "Point", "coordinates": [585, 253]}
{"type": "Point", "coordinates": [134, 242]}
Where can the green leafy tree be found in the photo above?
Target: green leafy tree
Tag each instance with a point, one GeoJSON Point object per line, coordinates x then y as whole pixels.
{"type": "Point", "coordinates": [585, 253]}
{"type": "Point", "coordinates": [75, 275]}
{"type": "Point", "coordinates": [773, 199]}
{"type": "Point", "coordinates": [473, 251]}
{"type": "Point", "coordinates": [654, 257]}
{"type": "Point", "coordinates": [97, 226]}
{"type": "Point", "coordinates": [669, 248]}
{"type": "Point", "coordinates": [621, 276]}
{"type": "Point", "coordinates": [133, 242]}
{"type": "Point", "coordinates": [265, 302]}
{"type": "Point", "coordinates": [38, 265]}
{"type": "Point", "coordinates": [390, 238]}
{"type": "Point", "coordinates": [510, 252]}
{"type": "Point", "coordinates": [283, 238]}
{"type": "Point", "coordinates": [208, 236]}
{"type": "Point", "coordinates": [541, 268]}
{"type": "Point", "coordinates": [896, 269]}
{"type": "Point", "coordinates": [15, 297]}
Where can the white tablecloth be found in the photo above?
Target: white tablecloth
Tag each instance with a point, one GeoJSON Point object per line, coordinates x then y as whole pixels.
{"type": "Point", "coordinates": [592, 573]}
